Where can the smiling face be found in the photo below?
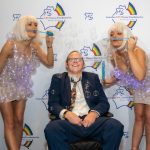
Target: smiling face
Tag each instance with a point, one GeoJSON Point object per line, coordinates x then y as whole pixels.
{"type": "Point", "coordinates": [75, 63]}
{"type": "Point", "coordinates": [31, 28]}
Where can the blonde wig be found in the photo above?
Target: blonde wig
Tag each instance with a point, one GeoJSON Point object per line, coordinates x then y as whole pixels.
{"type": "Point", "coordinates": [120, 27]}
{"type": "Point", "coordinates": [19, 30]}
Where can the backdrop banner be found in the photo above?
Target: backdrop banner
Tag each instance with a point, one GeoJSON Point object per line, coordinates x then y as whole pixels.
{"type": "Point", "coordinates": [77, 25]}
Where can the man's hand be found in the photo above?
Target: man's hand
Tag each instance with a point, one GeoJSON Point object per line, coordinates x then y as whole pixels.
{"type": "Point", "coordinates": [73, 118]}
{"type": "Point", "coordinates": [89, 119]}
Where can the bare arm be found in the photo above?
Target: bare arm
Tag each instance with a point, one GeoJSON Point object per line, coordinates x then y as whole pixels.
{"type": "Point", "coordinates": [5, 53]}
{"type": "Point", "coordinates": [109, 81]}
{"type": "Point", "coordinates": [46, 58]}
{"type": "Point", "coordinates": [137, 59]}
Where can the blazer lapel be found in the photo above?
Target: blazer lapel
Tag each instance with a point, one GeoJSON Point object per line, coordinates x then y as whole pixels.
{"type": "Point", "coordinates": [67, 90]}
{"type": "Point", "coordinates": [86, 86]}
{"type": "Point", "coordinates": [83, 81]}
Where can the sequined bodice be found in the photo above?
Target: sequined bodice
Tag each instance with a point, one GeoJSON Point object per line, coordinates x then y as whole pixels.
{"type": "Point", "coordinates": [15, 79]}
{"type": "Point", "coordinates": [129, 80]}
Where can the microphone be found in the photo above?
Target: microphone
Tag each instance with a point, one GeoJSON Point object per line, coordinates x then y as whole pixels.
{"type": "Point", "coordinates": [49, 33]}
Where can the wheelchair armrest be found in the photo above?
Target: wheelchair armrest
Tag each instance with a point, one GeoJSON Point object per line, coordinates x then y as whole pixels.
{"type": "Point", "coordinates": [108, 114]}
{"type": "Point", "coordinates": [52, 117]}
{"type": "Point", "coordinates": [85, 145]}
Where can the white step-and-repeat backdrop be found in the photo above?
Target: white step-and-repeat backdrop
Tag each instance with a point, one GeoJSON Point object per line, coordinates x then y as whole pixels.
{"type": "Point", "coordinates": [79, 25]}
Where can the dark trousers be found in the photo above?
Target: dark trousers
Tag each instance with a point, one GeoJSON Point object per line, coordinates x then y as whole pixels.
{"type": "Point", "coordinates": [107, 131]}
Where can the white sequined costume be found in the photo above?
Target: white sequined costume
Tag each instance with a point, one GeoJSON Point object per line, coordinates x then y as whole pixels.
{"type": "Point", "coordinates": [15, 79]}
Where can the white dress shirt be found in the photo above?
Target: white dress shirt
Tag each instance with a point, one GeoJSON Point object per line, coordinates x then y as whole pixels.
{"type": "Point", "coordinates": [81, 107]}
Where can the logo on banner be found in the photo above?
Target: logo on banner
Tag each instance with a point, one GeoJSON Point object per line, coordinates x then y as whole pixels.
{"type": "Point", "coordinates": [44, 99]}
{"type": "Point", "coordinates": [92, 56]}
{"type": "Point", "coordinates": [127, 14]}
{"type": "Point", "coordinates": [53, 16]}
{"type": "Point", "coordinates": [16, 17]}
{"type": "Point", "coordinates": [126, 134]}
{"type": "Point", "coordinates": [55, 57]}
{"type": "Point", "coordinates": [88, 15]}
{"type": "Point", "coordinates": [93, 59]}
{"type": "Point", "coordinates": [28, 137]}
{"type": "Point", "coordinates": [122, 97]}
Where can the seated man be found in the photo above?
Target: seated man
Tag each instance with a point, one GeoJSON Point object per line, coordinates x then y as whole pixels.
{"type": "Point", "coordinates": [79, 104]}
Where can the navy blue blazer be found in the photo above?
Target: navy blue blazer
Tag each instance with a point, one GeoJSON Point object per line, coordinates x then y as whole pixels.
{"type": "Point", "coordinates": [59, 95]}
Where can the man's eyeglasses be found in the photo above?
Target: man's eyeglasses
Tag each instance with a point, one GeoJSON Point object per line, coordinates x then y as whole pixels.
{"type": "Point", "coordinates": [75, 59]}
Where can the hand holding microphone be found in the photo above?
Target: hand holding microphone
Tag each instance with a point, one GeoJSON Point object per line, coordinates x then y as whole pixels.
{"type": "Point", "coordinates": [49, 39]}
{"type": "Point", "coordinates": [132, 43]}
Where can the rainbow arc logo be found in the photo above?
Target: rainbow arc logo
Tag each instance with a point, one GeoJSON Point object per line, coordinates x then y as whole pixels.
{"type": "Point", "coordinates": [96, 51]}
{"type": "Point", "coordinates": [28, 136]}
{"type": "Point", "coordinates": [53, 16]}
{"type": "Point", "coordinates": [127, 14]}
{"type": "Point", "coordinates": [131, 9]}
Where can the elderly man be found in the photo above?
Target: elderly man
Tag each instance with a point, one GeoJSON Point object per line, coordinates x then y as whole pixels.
{"type": "Point", "coordinates": [79, 104]}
